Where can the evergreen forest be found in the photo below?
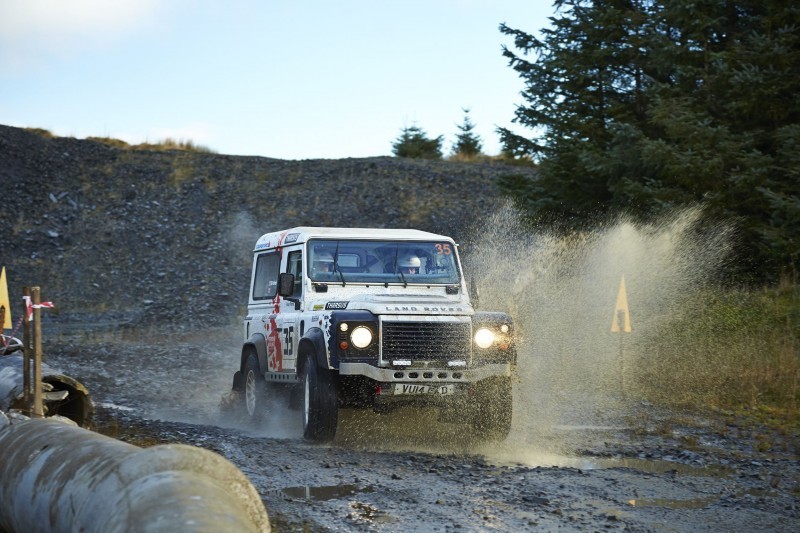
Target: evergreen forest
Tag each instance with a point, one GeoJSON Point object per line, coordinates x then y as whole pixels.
{"type": "Point", "coordinates": [639, 107]}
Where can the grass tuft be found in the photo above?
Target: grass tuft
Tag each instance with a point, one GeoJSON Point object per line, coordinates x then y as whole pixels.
{"type": "Point", "coordinates": [174, 144]}
{"type": "Point", "coordinates": [109, 141]}
{"type": "Point", "coordinates": [488, 159]}
{"type": "Point", "coordinates": [167, 144]}
{"type": "Point", "coordinates": [47, 134]}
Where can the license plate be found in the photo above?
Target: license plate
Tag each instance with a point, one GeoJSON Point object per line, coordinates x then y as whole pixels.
{"type": "Point", "coordinates": [412, 389]}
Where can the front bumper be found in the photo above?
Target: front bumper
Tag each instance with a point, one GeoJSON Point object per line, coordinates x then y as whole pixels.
{"type": "Point", "coordinates": [425, 375]}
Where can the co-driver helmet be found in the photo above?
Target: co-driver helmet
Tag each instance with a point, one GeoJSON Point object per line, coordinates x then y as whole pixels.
{"type": "Point", "coordinates": [409, 264]}
{"type": "Point", "coordinates": [323, 262]}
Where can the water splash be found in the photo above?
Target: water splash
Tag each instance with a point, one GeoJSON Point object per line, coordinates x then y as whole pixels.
{"type": "Point", "coordinates": [561, 292]}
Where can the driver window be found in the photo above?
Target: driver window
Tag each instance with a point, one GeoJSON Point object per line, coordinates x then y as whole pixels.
{"type": "Point", "coordinates": [265, 283]}
{"type": "Point", "coordinates": [294, 265]}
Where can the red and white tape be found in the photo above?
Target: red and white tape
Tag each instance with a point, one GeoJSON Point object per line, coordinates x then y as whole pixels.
{"type": "Point", "coordinates": [31, 306]}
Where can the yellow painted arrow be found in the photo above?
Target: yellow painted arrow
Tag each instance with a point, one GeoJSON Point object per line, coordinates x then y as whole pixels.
{"type": "Point", "coordinates": [622, 317]}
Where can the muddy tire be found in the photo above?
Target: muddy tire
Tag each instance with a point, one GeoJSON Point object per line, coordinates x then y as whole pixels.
{"type": "Point", "coordinates": [320, 402]}
{"type": "Point", "coordinates": [254, 398]}
{"type": "Point", "coordinates": [492, 408]}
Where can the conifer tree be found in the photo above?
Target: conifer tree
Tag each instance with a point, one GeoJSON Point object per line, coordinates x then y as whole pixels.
{"type": "Point", "coordinates": [468, 144]}
{"type": "Point", "coordinates": [413, 142]}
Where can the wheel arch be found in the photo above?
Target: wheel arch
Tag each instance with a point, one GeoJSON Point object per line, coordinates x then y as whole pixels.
{"type": "Point", "coordinates": [312, 342]}
{"type": "Point", "coordinates": [257, 343]}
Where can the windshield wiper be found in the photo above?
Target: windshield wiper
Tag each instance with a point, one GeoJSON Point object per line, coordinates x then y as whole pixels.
{"type": "Point", "coordinates": [335, 262]}
{"type": "Point", "coordinates": [398, 269]}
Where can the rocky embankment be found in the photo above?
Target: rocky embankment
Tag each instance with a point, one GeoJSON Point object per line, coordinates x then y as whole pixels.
{"type": "Point", "coordinates": [141, 237]}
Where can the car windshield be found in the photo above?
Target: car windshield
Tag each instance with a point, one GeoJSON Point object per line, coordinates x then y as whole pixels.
{"type": "Point", "coordinates": [357, 261]}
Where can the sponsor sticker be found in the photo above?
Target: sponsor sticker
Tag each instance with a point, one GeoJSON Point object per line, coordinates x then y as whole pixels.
{"type": "Point", "coordinates": [336, 305]}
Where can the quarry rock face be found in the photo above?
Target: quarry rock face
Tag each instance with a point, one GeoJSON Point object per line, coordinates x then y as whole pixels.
{"type": "Point", "coordinates": [127, 237]}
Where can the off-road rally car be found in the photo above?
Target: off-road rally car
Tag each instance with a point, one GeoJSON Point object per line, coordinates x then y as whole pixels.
{"type": "Point", "coordinates": [371, 318]}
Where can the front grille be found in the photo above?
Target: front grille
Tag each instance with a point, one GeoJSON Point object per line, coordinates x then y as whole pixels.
{"type": "Point", "coordinates": [428, 341]}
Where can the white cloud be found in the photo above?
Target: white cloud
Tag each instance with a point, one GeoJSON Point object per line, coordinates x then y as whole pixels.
{"type": "Point", "coordinates": [33, 32]}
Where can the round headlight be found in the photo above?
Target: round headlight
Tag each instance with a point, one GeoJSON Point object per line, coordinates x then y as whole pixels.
{"type": "Point", "coordinates": [361, 337]}
{"type": "Point", "coordinates": [484, 337]}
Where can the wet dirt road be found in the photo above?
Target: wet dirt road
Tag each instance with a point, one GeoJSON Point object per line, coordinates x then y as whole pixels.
{"type": "Point", "coordinates": [632, 469]}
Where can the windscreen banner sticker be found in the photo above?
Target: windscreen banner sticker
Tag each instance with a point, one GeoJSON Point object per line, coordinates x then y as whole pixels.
{"type": "Point", "coordinates": [336, 305]}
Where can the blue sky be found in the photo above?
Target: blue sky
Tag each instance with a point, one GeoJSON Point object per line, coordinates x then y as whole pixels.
{"type": "Point", "coordinates": [284, 79]}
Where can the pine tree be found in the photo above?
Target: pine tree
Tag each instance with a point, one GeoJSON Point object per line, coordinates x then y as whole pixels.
{"type": "Point", "coordinates": [413, 142]}
{"type": "Point", "coordinates": [468, 144]}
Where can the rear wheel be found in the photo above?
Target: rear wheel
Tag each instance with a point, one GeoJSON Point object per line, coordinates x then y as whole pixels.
{"type": "Point", "coordinates": [493, 408]}
{"type": "Point", "coordinates": [320, 401]}
{"type": "Point", "coordinates": [254, 390]}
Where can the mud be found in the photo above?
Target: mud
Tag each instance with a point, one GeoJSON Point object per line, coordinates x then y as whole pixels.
{"type": "Point", "coordinates": [630, 469]}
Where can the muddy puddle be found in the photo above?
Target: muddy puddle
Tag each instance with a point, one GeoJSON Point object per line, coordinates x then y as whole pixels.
{"type": "Point", "coordinates": [691, 503]}
{"type": "Point", "coordinates": [656, 466]}
{"type": "Point", "coordinates": [645, 466]}
{"type": "Point", "coordinates": [324, 493]}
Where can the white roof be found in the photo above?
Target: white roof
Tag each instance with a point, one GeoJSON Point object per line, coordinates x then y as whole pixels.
{"type": "Point", "coordinates": [304, 233]}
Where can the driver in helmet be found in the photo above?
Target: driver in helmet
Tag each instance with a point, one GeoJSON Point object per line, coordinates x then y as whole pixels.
{"type": "Point", "coordinates": [323, 263]}
{"type": "Point", "coordinates": [409, 264]}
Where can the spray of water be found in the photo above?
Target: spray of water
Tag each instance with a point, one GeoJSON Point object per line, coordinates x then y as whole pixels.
{"type": "Point", "coordinates": [201, 392]}
{"type": "Point", "coordinates": [574, 372]}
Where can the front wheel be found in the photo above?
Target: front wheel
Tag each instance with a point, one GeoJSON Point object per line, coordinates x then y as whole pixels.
{"type": "Point", "coordinates": [320, 401]}
{"type": "Point", "coordinates": [493, 408]}
{"type": "Point", "coordinates": [254, 391]}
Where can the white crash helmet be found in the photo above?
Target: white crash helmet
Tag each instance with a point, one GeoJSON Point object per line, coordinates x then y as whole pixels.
{"type": "Point", "coordinates": [409, 261]}
{"type": "Point", "coordinates": [323, 259]}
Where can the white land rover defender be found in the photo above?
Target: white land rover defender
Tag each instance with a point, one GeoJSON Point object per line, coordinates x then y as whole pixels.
{"type": "Point", "coordinates": [371, 318]}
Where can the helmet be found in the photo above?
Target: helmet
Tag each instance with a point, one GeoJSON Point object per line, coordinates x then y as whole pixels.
{"type": "Point", "coordinates": [323, 261]}
{"type": "Point", "coordinates": [409, 261]}
{"type": "Point", "coordinates": [409, 264]}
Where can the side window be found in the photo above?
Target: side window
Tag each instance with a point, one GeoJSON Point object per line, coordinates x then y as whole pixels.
{"type": "Point", "coordinates": [348, 260]}
{"type": "Point", "coordinates": [265, 284]}
{"type": "Point", "coordinates": [294, 266]}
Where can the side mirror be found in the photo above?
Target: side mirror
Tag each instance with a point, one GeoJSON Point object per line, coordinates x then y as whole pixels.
{"type": "Point", "coordinates": [285, 285]}
{"type": "Point", "coordinates": [474, 293]}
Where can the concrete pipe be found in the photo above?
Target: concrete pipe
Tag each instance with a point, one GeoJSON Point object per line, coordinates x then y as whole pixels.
{"type": "Point", "coordinates": [59, 477]}
{"type": "Point", "coordinates": [62, 395]}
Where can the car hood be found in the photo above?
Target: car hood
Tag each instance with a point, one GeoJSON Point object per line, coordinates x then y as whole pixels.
{"type": "Point", "coordinates": [411, 304]}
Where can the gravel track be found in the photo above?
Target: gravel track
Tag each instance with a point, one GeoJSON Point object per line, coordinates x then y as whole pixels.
{"type": "Point", "coordinates": [399, 472]}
